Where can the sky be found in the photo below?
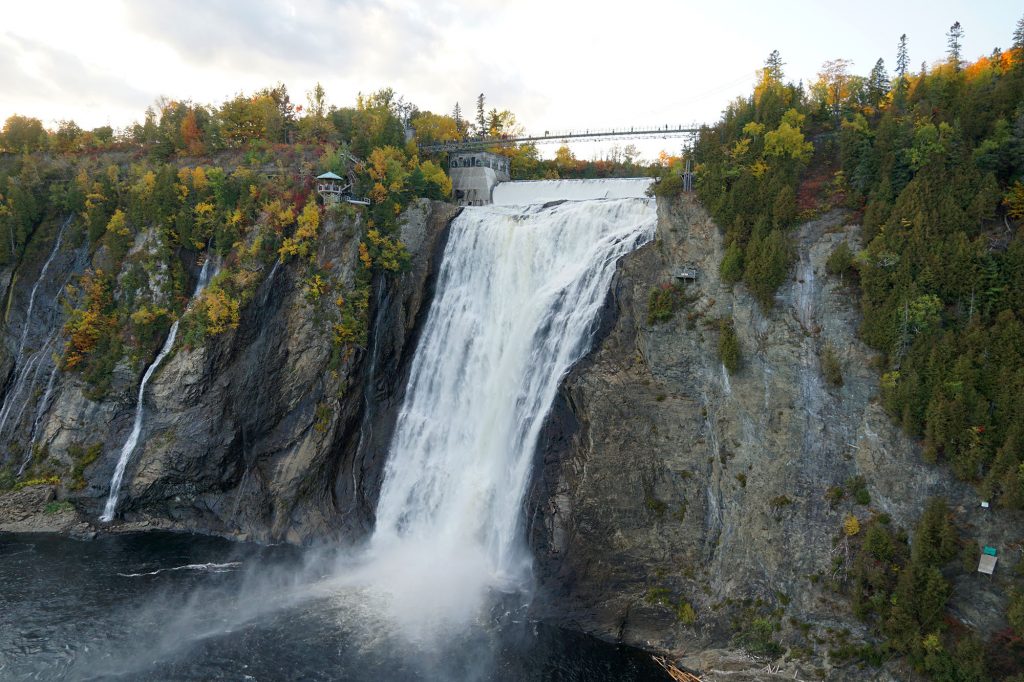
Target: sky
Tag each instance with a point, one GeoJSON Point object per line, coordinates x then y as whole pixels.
{"type": "Point", "coordinates": [558, 64]}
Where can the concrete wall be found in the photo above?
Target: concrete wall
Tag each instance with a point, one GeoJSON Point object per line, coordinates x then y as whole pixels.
{"type": "Point", "coordinates": [473, 186]}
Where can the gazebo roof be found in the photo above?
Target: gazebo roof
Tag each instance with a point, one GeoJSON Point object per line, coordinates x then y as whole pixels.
{"type": "Point", "coordinates": [328, 176]}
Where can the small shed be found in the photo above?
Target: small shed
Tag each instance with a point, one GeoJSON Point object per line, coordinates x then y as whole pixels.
{"type": "Point", "coordinates": [987, 562]}
{"type": "Point", "coordinates": [331, 187]}
{"type": "Point", "coordinates": [686, 273]}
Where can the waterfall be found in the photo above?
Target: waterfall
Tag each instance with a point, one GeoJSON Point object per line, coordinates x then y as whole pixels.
{"type": "Point", "coordinates": [30, 366]}
{"type": "Point", "coordinates": [133, 437]}
{"type": "Point", "coordinates": [517, 303]}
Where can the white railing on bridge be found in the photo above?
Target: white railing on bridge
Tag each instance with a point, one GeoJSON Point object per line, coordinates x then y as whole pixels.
{"type": "Point", "coordinates": [595, 134]}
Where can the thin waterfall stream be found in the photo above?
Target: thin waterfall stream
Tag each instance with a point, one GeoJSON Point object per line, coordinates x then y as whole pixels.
{"type": "Point", "coordinates": [140, 410]}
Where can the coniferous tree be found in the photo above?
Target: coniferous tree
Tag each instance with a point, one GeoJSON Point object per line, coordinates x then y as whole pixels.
{"type": "Point", "coordinates": [1018, 42]}
{"type": "Point", "coordinates": [773, 66]}
{"type": "Point", "coordinates": [481, 121]}
{"type": "Point", "coordinates": [902, 64]}
{"type": "Point", "coordinates": [953, 39]}
{"type": "Point", "coordinates": [878, 83]}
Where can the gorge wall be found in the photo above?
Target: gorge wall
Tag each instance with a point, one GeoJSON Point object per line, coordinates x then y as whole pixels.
{"type": "Point", "coordinates": [253, 434]}
{"type": "Point", "coordinates": [674, 502]}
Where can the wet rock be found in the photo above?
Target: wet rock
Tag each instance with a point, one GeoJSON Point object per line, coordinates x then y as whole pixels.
{"type": "Point", "coordinates": [665, 480]}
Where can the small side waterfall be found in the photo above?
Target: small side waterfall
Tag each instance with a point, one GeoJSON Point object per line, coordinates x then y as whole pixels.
{"type": "Point", "coordinates": [518, 296]}
{"type": "Point", "coordinates": [27, 368]}
{"type": "Point", "coordinates": [140, 409]}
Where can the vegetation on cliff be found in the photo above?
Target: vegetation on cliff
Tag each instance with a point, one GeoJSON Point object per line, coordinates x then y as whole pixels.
{"type": "Point", "coordinates": [932, 163]}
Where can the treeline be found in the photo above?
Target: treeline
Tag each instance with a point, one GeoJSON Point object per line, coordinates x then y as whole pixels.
{"type": "Point", "coordinates": [934, 163]}
{"type": "Point", "coordinates": [198, 182]}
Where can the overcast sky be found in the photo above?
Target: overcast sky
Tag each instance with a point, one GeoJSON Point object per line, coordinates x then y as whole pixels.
{"type": "Point", "coordinates": [556, 64]}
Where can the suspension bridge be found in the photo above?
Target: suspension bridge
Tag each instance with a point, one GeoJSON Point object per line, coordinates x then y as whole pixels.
{"type": "Point", "coordinates": [596, 135]}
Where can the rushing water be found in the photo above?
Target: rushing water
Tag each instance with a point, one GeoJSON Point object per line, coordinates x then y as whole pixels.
{"type": "Point", "coordinates": [140, 409]}
{"type": "Point", "coordinates": [441, 589]}
{"type": "Point", "coordinates": [157, 606]}
{"type": "Point", "coordinates": [517, 301]}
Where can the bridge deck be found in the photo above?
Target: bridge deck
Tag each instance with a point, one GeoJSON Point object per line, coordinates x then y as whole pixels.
{"type": "Point", "coordinates": [563, 136]}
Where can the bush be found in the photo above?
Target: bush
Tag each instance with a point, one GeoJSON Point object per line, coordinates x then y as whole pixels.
{"type": "Point", "coordinates": [729, 346]}
{"type": "Point", "coordinates": [663, 302]}
{"type": "Point", "coordinates": [731, 269]}
{"type": "Point", "coordinates": [840, 260]}
{"type": "Point", "coordinates": [830, 365]}
{"type": "Point", "coordinates": [669, 186]}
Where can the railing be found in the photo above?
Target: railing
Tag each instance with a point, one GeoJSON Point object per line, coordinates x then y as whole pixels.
{"type": "Point", "coordinates": [664, 131]}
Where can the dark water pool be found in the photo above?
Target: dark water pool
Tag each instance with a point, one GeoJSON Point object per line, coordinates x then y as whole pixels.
{"type": "Point", "coordinates": [160, 606]}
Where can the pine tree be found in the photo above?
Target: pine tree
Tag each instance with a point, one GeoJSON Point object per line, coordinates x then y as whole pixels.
{"type": "Point", "coordinates": [878, 83]}
{"type": "Point", "coordinates": [773, 67]}
{"type": "Point", "coordinates": [1018, 42]}
{"type": "Point", "coordinates": [481, 121]}
{"type": "Point", "coordinates": [457, 115]}
{"type": "Point", "coordinates": [902, 64]}
{"type": "Point", "coordinates": [953, 39]}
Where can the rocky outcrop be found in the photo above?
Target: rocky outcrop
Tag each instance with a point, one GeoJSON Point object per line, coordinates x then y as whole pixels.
{"type": "Point", "coordinates": [256, 433]}
{"type": "Point", "coordinates": [665, 481]}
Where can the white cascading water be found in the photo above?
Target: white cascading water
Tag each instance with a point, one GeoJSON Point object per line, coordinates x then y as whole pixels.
{"type": "Point", "coordinates": [517, 303]}
{"type": "Point", "coordinates": [133, 438]}
{"type": "Point", "coordinates": [23, 367]}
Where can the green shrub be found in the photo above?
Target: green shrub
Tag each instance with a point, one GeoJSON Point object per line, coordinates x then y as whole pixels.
{"type": "Point", "coordinates": [58, 507]}
{"type": "Point", "coordinates": [831, 368]}
{"type": "Point", "coordinates": [663, 302]}
{"type": "Point", "coordinates": [669, 186]}
{"type": "Point", "coordinates": [81, 457]}
{"type": "Point", "coordinates": [729, 346]}
{"type": "Point", "coordinates": [686, 613]}
{"type": "Point", "coordinates": [731, 269]}
{"type": "Point", "coordinates": [840, 260]}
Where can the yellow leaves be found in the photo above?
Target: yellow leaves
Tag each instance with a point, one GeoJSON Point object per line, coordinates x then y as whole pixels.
{"type": "Point", "coordinates": [146, 316]}
{"type": "Point", "coordinates": [759, 168]}
{"type": "Point", "coordinates": [316, 286]}
{"type": "Point", "coordinates": [787, 141]}
{"type": "Point", "coordinates": [303, 242]}
{"type": "Point", "coordinates": [88, 323]}
{"type": "Point", "coordinates": [1014, 201]}
{"type": "Point", "coordinates": [740, 149]}
{"type": "Point", "coordinates": [378, 194]}
{"type": "Point", "coordinates": [851, 526]}
{"type": "Point", "coordinates": [793, 118]}
{"type": "Point", "coordinates": [388, 254]}
{"type": "Point", "coordinates": [433, 173]}
{"type": "Point", "coordinates": [204, 209]}
{"type": "Point", "coordinates": [221, 311]}
{"type": "Point", "coordinates": [199, 180]}
{"type": "Point", "coordinates": [118, 224]}
{"type": "Point", "coordinates": [753, 129]}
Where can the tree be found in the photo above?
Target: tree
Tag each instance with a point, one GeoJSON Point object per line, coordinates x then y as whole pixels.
{"type": "Point", "coordinates": [460, 124]}
{"type": "Point", "coordinates": [22, 134]}
{"type": "Point", "coordinates": [902, 64]}
{"type": "Point", "coordinates": [878, 84]}
{"type": "Point", "coordinates": [773, 67]}
{"type": "Point", "coordinates": [481, 122]}
{"type": "Point", "coordinates": [1018, 45]}
{"type": "Point", "coordinates": [953, 40]}
{"type": "Point", "coordinates": [834, 80]}
{"type": "Point", "coordinates": [317, 101]}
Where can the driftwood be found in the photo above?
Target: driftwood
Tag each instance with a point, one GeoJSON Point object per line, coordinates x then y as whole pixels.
{"type": "Point", "coordinates": [674, 672]}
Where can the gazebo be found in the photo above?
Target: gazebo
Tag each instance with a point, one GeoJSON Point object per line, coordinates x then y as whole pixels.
{"type": "Point", "coordinates": [331, 187]}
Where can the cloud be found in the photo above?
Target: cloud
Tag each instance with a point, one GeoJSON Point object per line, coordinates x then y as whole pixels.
{"type": "Point", "coordinates": [40, 72]}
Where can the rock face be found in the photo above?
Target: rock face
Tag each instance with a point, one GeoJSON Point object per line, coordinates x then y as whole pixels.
{"type": "Point", "coordinates": [255, 433]}
{"type": "Point", "coordinates": [664, 480]}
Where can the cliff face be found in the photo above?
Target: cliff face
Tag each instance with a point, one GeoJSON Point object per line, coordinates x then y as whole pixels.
{"type": "Point", "coordinates": [667, 482]}
{"type": "Point", "coordinates": [254, 433]}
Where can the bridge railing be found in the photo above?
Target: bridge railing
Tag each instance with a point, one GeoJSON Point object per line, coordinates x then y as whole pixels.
{"type": "Point", "coordinates": [564, 136]}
